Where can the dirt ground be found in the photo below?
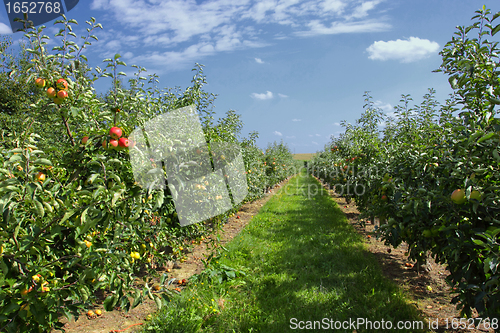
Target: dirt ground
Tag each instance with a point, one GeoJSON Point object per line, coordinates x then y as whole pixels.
{"type": "Point", "coordinates": [434, 305]}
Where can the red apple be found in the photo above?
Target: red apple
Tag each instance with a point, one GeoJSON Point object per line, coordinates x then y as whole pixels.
{"type": "Point", "coordinates": [62, 84]}
{"type": "Point", "coordinates": [40, 82]}
{"type": "Point", "coordinates": [123, 143]}
{"type": "Point", "coordinates": [384, 197]}
{"type": "Point", "coordinates": [85, 139]}
{"type": "Point", "coordinates": [51, 92]}
{"type": "Point", "coordinates": [115, 132]}
{"type": "Point", "coordinates": [62, 94]}
{"type": "Point", "coordinates": [40, 176]}
{"type": "Point", "coordinates": [113, 143]}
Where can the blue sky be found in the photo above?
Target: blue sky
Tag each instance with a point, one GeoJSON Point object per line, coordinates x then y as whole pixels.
{"type": "Point", "coordinates": [293, 69]}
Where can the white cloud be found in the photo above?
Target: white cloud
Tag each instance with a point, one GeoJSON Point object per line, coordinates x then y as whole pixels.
{"type": "Point", "coordinates": [282, 95]}
{"type": "Point", "coordinates": [318, 135]}
{"type": "Point", "coordinates": [336, 124]}
{"type": "Point", "coordinates": [385, 107]}
{"type": "Point", "coordinates": [318, 28]}
{"type": "Point", "coordinates": [263, 96]}
{"type": "Point", "coordinates": [128, 55]}
{"type": "Point", "coordinates": [291, 137]}
{"type": "Point", "coordinates": [277, 133]}
{"type": "Point", "coordinates": [314, 143]}
{"type": "Point", "coordinates": [172, 33]}
{"type": "Point", "coordinates": [5, 29]}
{"type": "Point", "coordinates": [405, 51]}
{"type": "Point", "coordinates": [335, 6]}
{"type": "Point", "coordinates": [363, 9]}
{"type": "Point", "coordinates": [295, 119]}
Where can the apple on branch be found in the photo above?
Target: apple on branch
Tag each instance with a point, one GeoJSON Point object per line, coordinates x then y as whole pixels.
{"type": "Point", "coordinates": [40, 82]}
{"type": "Point", "coordinates": [123, 143]}
{"type": "Point", "coordinates": [62, 84]}
{"type": "Point", "coordinates": [51, 92]}
{"type": "Point", "coordinates": [115, 132]}
{"type": "Point", "coordinates": [113, 143]}
{"type": "Point", "coordinates": [62, 94]}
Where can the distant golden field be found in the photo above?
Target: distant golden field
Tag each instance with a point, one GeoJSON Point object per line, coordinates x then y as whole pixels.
{"type": "Point", "coordinates": [303, 157]}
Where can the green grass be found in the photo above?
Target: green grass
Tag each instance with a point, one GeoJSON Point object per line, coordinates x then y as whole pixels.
{"type": "Point", "coordinates": [301, 259]}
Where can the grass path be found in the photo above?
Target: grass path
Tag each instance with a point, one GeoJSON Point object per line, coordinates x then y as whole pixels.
{"type": "Point", "coordinates": [298, 258]}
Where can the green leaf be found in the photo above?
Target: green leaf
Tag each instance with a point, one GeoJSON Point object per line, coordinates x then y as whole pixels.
{"type": "Point", "coordinates": [453, 82]}
{"type": "Point", "coordinates": [495, 30]}
{"type": "Point", "coordinates": [39, 208]}
{"type": "Point", "coordinates": [137, 298]}
{"type": "Point", "coordinates": [486, 137]}
{"type": "Point", "coordinates": [3, 267]}
{"type": "Point", "coordinates": [496, 155]}
{"type": "Point", "coordinates": [10, 181]}
{"type": "Point", "coordinates": [115, 160]}
{"type": "Point", "coordinates": [10, 188]}
{"type": "Point", "coordinates": [117, 56]}
{"type": "Point", "coordinates": [110, 302]}
{"type": "Point", "coordinates": [125, 303]}
{"type": "Point", "coordinates": [83, 193]}
{"type": "Point", "coordinates": [68, 214]}
{"type": "Point", "coordinates": [88, 224]}
{"type": "Point", "coordinates": [74, 111]}
{"type": "Point", "coordinates": [42, 161]}
{"type": "Point", "coordinates": [479, 242]}
{"type": "Point", "coordinates": [48, 207]}
{"type": "Point", "coordinates": [92, 177]}
{"type": "Point", "coordinates": [116, 196]}
{"type": "Point", "coordinates": [15, 158]}
{"type": "Point", "coordinates": [158, 301]}
{"type": "Point", "coordinates": [84, 294]}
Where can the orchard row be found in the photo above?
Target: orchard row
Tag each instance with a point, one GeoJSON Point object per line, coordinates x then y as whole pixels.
{"type": "Point", "coordinates": [73, 220]}
{"type": "Point", "coordinates": [432, 173]}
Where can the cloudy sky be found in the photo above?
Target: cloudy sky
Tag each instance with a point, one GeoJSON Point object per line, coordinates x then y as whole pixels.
{"type": "Point", "coordinates": [293, 69]}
